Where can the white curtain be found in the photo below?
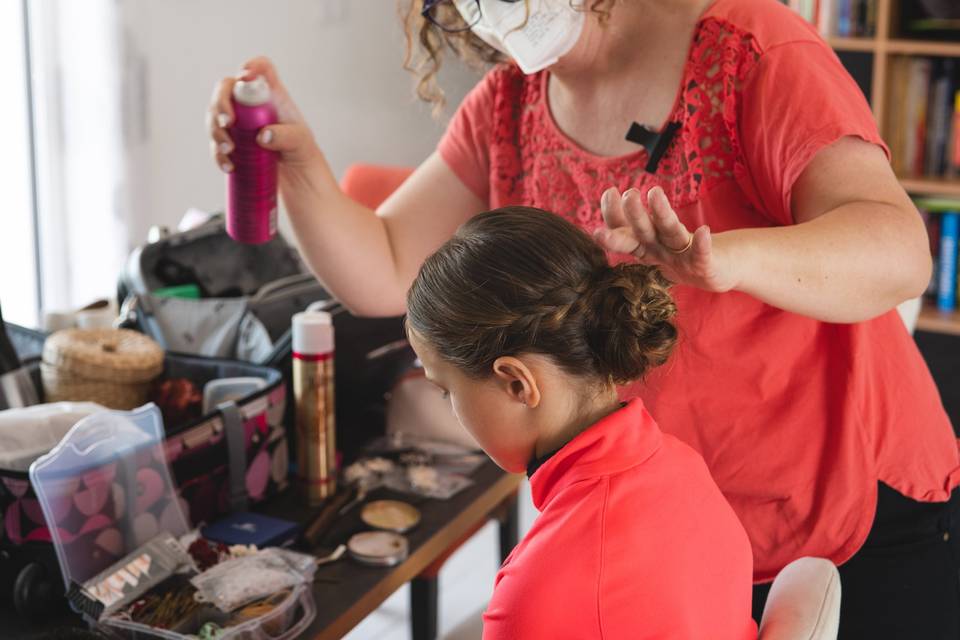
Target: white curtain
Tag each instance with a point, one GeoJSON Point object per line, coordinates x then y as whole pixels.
{"type": "Point", "coordinates": [78, 116]}
{"type": "Point", "coordinates": [18, 282]}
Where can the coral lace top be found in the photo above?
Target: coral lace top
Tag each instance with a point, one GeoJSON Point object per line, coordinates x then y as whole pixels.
{"type": "Point", "coordinates": [796, 418]}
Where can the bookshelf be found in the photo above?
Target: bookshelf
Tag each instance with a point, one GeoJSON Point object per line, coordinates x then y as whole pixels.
{"type": "Point", "coordinates": [863, 45]}
{"type": "Point", "coordinates": [884, 48]}
{"type": "Point", "coordinates": [920, 48]}
{"type": "Point", "coordinates": [937, 321]}
{"type": "Point", "coordinates": [931, 186]}
{"type": "Point", "coordinates": [896, 47]}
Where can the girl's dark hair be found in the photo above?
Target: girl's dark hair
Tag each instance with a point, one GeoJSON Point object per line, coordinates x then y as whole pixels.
{"type": "Point", "coordinates": [521, 280]}
{"type": "Point", "coordinates": [426, 44]}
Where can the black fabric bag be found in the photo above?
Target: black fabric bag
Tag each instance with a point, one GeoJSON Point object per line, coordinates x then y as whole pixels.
{"type": "Point", "coordinates": [256, 290]}
{"type": "Point", "coordinates": [16, 389]}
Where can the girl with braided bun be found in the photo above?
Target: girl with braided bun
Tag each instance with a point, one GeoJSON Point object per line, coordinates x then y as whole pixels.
{"type": "Point", "coordinates": [520, 319]}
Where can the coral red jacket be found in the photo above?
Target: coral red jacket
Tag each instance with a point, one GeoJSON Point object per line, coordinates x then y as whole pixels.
{"type": "Point", "coordinates": [634, 540]}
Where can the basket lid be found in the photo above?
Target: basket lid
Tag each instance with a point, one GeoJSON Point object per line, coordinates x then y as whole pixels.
{"type": "Point", "coordinates": [106, 489]}
{"type": "Point", "coordinates": [105, 354]}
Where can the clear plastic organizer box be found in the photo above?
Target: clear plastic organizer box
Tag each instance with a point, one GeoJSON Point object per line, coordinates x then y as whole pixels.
{"type": "Point", "coordinates": [110, 470]}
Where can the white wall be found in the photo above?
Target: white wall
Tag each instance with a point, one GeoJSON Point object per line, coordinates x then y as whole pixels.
{"type": "Point", "coordinates": [340, 59]}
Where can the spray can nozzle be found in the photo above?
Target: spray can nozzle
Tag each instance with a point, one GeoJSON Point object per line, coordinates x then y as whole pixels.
{"type": "Point", "coordinates": [252, 93]}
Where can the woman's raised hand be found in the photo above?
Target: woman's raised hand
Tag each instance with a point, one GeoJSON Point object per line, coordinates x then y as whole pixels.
{"type": "Point", "coordinates": [290, 136]}
{"type": "Point", "coordinates": [653, 234]}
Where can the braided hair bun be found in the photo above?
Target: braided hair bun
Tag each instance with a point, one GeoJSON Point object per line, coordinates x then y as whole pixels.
{"type": "Point", "coordinates": [521, 280]}
{"type": "Point", "coordinates": [629, 323]}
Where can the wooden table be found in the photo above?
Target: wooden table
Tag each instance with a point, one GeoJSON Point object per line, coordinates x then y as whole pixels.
{"type": "Point", "coordinates": [354, 591]}
{"type": "Point", "coordinates": [346, 592]}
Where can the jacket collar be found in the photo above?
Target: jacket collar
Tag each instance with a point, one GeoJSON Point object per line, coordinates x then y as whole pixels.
{"type": "Point", "coordinates": [623, 439]}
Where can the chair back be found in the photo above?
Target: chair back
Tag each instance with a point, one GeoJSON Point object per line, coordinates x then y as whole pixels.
{"type": "Point", "coordinates": [804, 602]}
{"type": "Point", "coordinates": [371, 184]}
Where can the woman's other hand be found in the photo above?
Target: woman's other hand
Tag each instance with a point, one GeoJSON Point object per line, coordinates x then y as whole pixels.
{"type": "Point", "coordinates": [653, 234]}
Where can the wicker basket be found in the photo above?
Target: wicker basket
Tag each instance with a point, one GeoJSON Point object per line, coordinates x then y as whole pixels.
{"type": "Point", "coordinates": [113, 367]}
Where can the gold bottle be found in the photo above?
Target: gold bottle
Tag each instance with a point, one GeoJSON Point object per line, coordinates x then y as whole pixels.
{"type": "Point", "coordinates": [314, 399]}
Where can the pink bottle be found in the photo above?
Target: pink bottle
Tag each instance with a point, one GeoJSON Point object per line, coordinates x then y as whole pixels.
{"type": "Point", "coordinates": [252, 185]}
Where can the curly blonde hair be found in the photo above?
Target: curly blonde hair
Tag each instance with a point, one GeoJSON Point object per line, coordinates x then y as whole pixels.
{"type": "Point", "coordinates": [426, 44]}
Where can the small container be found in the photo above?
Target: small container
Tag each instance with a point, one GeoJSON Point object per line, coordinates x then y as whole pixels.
{"type": "Point", "coordinates": [378, 548]}
{"type": "Point", "coordinates": [112, 367]}
{"type": "Point", "coordinates": [100, 314]}
{"type": "Point", "coordinates": [314, 399]}
{"type": "Point", "coordinates": [226, 389]}
{"type": "Point", "coordinates": [390, 515]}
{"type": "Point", "coordinates": [242, 527]}
{"type": "Point", "coordinates": [252, 185]}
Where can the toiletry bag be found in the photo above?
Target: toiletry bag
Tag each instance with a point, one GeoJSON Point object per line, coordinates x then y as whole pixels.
{"type": "Point", "coordinates": [248, 295]}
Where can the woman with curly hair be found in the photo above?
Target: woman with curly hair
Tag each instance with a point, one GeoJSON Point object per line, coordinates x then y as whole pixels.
{"type": "Point", "coordinates": [753, 176]}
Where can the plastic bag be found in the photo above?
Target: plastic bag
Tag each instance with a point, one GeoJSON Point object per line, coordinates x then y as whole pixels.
{"type": "Point", "coordinates": [240, 581]}
{"type": "Point", "coordinates": [426, 481]}
{"type": "Point", "coordinates": [28, 433]}
{"type": "Point", "coordinates": [423, 467]}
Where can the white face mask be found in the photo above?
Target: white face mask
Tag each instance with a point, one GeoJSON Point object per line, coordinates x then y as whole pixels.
{"type": "Point", "coordinates": [552, 29]}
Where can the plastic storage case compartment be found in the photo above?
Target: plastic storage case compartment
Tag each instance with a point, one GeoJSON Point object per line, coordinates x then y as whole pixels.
{"type": "Point", "coordinates": [104, 468]}
{"type": "Point", "coordinates": [211, 476]}
{"type": "Point", "coordinates": [198, 454]}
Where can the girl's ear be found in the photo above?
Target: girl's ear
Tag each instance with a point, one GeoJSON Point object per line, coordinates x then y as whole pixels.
{"type": "Point", "coordinates": [517, 380]}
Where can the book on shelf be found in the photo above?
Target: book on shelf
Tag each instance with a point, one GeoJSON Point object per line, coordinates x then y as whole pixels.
{"type": "Point", "coordinates": [942, 219]}
{"type": "Point", "coordinates": [841, 18]}
{"type": "Point", "coordinates": [953, 168]}
{"type": "Point", "coordinates": [942, 29]}
{"type": "Point", "coordinates": [826, 18]}
{"type": "Point", "coordinates": [914, 123]}
{"type": "Point", "coordinates": [870, 20]}
{"type": "Point", "coordinates": [940, 117]}
{"type": "Point", "coordinates": [896, 114]}
{"type": "Point", "coordinates": [932, 204]}
{"type": "Point", "coordinates": [923, 112]}
{"type": "Point", "coordinates": [947, 262]}
{"type": "Point", "coordinates": [932, 223]}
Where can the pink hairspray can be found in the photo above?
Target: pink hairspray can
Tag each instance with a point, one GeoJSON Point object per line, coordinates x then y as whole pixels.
{"type": "Point", "coordinates": [252, 185]}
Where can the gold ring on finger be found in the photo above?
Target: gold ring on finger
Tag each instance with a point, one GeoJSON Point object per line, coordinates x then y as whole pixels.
{"type": "Point", "coordinates": [685, 248]}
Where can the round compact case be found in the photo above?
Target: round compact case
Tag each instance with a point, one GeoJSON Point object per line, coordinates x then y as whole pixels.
{"type": "Point", "coordinates": [378, 548]}
{"type": "Point", "coordinates": [113, 367]}
{"type": "Point", "coordinates": [390, 515]}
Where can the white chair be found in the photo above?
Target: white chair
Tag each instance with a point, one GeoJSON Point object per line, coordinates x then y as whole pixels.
{"type": "Point", "coordinates": [910, 313]}
{"type": "Point", "coordinates": [804, 602]}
